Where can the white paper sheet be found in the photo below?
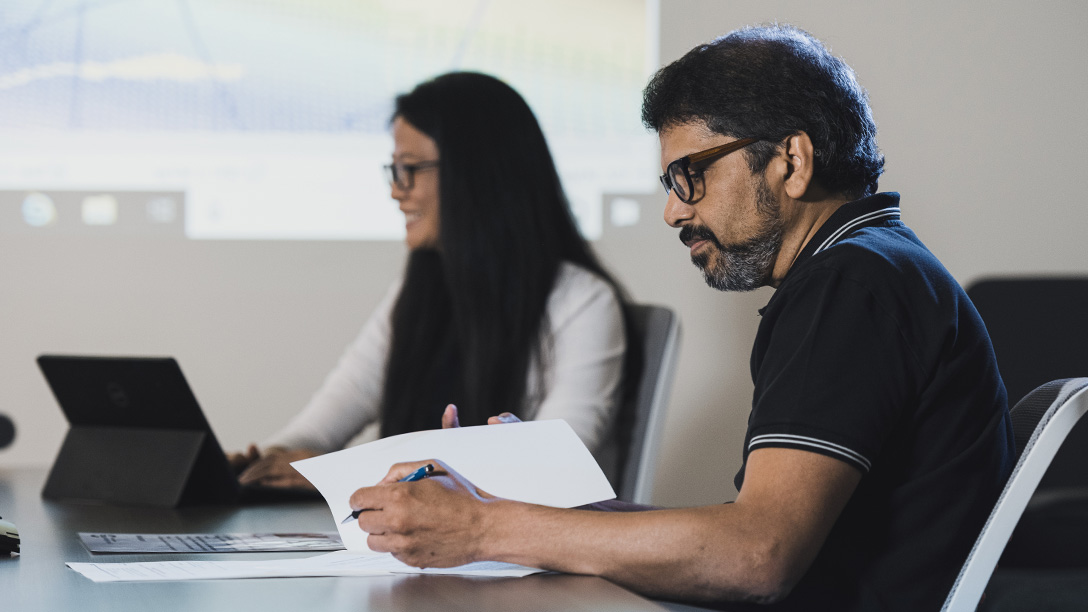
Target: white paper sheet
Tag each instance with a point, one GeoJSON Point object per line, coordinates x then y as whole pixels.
{"type": "Point", "coordinates": [540, 462]}
{"type": "Point", "coordinates": [340, 563]}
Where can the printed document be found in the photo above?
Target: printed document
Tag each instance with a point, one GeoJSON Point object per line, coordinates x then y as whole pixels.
{"type": "Point", "coordinates": [144, 543]}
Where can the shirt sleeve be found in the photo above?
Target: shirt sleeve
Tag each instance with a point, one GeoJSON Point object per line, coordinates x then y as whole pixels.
{"type": "Point", "coordinates": [835, 373]}
{"type": "Point", "coordinates": [350, 397]}
{"type": "Point", "coordinates": [580, 378]}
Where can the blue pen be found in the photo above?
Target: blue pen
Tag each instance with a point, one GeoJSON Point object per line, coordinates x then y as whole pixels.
{"type": "Point", "coordinates": [419, 474]}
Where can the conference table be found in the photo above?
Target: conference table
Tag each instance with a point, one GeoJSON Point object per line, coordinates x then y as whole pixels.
{"type": "Point", "coordinates": [38, 580]}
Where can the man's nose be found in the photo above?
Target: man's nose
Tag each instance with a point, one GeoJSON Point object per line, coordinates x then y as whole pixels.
{"type": "Point", "coordinates": [676, 211]}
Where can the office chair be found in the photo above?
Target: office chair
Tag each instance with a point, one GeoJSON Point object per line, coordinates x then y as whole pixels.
{"type": "Point", "coordinates": [1030, 321]}
{"type": "Point", "coordinates": [7, 431]}
{"type": "Point", "coordinates": [642, 418]}
{"type": "Point", "coordinates": [1041, 423]}
{"type": "Point", "coordinates": [1039, 330]}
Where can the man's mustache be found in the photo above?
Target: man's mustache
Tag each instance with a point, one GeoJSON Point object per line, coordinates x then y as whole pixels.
{"type": "Point", "coordinates": [692, 233]}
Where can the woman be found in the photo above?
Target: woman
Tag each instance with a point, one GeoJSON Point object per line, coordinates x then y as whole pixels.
{"type": "Point", "coordinates": [503, 306]}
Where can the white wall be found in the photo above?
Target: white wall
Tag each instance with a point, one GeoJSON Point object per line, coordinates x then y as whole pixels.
{"type": "Point", "coordinates": [981, 110]}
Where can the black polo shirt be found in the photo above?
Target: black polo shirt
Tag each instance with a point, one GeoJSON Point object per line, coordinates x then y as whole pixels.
{"type": "Point", "coordinates": [870, 352]}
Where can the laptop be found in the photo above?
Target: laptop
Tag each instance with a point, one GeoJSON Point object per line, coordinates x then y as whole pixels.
{"type": "Point", "coordinates": [137, 436]}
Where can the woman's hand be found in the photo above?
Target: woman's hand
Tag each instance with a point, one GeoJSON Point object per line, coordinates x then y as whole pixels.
{"type": "Point", "coordinates": [240, 461]}
{"type": "Point", "coordinates": [505, 417]}
{"type": "Point", "coordinates": [273, 468]}
{"type": "Point", "coordinates": [450, 420]}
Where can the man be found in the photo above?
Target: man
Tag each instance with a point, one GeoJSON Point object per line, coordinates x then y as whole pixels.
{"type": "Point", "coordinates": [879, 435]}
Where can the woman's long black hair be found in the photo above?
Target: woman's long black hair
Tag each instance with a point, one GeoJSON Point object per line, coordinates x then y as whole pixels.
{"type": "Point", "coordinates": [469, 316]}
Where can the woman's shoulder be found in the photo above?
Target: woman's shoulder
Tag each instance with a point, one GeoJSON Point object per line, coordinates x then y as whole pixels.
{"type": "Point", "coordinates": [572, 278]}
{"type": "Point", "coordinates": [577, 289]}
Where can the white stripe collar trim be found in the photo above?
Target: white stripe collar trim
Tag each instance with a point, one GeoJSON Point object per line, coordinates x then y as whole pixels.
{"type": "Point", "coordinates": [890, 212]}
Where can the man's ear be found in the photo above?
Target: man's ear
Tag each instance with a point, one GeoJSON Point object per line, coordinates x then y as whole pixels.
{"type": "Point", "coordinates": [799, 158]}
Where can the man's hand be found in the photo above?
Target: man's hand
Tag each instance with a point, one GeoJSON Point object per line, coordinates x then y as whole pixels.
{"type": "Point", "coordinates": [435, 522]}
{"type": "Point", "coordinates": [450, 420]}
{"type": "Point", "coordinates": [273, 468]}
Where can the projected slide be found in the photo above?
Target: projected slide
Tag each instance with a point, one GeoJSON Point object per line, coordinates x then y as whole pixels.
{"type": "Point", "coordinates": [236, 119]}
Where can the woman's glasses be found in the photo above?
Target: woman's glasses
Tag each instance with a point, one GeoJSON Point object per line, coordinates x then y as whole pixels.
{"type": "Point", "coordinates": [678, 177]}
{"type": "Point", "coordinates": [403, 175]}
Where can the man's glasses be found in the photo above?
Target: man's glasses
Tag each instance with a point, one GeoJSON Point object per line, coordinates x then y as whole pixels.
{"type": "Point", "coordinates": [677, 175]}
{"type": "Point", "coordinates": [403, 175]}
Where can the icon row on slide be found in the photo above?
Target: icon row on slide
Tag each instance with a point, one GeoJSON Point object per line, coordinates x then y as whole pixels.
{"type": "Point", "coordinates": [103, 209]}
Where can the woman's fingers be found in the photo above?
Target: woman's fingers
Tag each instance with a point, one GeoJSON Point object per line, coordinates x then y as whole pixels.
{"type": "Point", "coordinates": [449, 418]}
{"type": "Point", "coordinates": [503, 418]}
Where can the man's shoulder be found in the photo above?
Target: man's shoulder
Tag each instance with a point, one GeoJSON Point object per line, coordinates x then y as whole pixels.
{"type": "Point", "coordinates": [884, 257]}
{"type": "Point", "coordinates": [864, 238]}
{"type": "Point", "coordinates": [882, 269]}
{"type": "Point", "coordinates": [889, 244]}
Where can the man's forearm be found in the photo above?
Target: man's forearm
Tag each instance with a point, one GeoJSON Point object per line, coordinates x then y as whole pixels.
{"type": "Point", "coordinates": [695, 553]}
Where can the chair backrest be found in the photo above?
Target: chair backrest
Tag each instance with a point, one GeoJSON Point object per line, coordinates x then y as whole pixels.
{"type": "Point", "coordinates": [1031, 320]}
{"type": "Point", "coordinates": [658, 331]}
{"type": "Point", "coordinates": [1041, 422]}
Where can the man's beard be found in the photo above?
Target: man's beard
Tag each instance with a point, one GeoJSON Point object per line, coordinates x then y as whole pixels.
{"type": "Point", "coordinates": [747, 265]}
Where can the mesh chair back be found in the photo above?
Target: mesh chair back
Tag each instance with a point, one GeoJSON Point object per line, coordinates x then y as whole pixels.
{"type": "Point", "coordinates": [1044, 417]}
{"type": "Point", "coordinates": [1029, 411]}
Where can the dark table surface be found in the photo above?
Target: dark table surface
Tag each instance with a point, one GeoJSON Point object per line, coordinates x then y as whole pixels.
{"type": "Point", "coordinates": [38, 579]}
